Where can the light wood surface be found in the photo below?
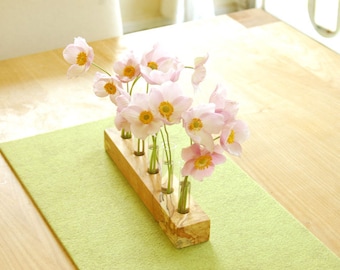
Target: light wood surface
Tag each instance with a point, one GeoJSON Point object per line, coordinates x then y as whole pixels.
{"type": "Point", "coordinates": [183, 230]}
{"type": "Point", "coordinates": [288, 87]}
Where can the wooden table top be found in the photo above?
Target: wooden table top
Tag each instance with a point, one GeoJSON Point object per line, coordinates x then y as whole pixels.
{"type": "Point", "coordinates": [288, 87]}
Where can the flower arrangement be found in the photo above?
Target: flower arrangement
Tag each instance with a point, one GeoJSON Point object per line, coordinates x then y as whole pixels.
{"type": "Point", "coordinates": [212, 127]}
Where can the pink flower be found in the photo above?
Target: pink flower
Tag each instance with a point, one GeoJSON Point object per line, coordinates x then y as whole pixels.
{"type": "Point", "coordinates": [199, 162]}
{"type": "Point", "coordinates": [122, 102]}
{"type": "Point", "coordinates": [127, 69]}
{"type": "Point", "coordinates": [158, 66]}
{"type": "Point", "coordinates": [199, 71]}
{"type": "Point", "coordinates": [225, 107]}
{"type": "Point", "coordinates": [106, 85]}
{"type": "Point", "coordinates": [201, 122]}
{"type": "Point", "coordinates": [80, 55]}
{"type": "Point", "coordinates": [232, 136]}
{"type": "Point", "coordinates": [169, 102]}
{"type": "Point", "coordinates": [143, 120]}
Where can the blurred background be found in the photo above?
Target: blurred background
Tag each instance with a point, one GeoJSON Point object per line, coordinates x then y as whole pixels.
{"type": "Point", "coordinates": [138, 15]}
{"type": "Point", "coordinates": [32, 26]}
{"type": "Point", "coordinates": [318, 19]}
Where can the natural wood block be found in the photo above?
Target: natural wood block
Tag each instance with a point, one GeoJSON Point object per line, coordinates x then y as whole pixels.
{"type": "Point", "coordinates": [182, 229]}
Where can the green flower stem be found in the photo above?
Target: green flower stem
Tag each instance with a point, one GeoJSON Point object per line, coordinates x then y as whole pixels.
{"type": "Point", "coordinates": [133, 84]}
{"type": "Point", "coordinates": [125, 134]}
{"type": "Point", "coordinates": [99, 67]}
{"type": "Point", "coordinates": [170, 178]}
{"type": "Point", "coordinates": [217, 138]}
{"type": "Point", "coordinates": [140, 145]}
{"type": "Point", "coordinates": [140, 148]}
{"type": "Point", "coordinates": [153, 168]}
{"type": "Point", "coordinates": [169, 163]}
{"type": "Point", "coordinates": [183, 196]}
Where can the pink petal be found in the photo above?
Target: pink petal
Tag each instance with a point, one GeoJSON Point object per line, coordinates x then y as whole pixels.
{"type": "Point", "coordinates": [218, 96]}
{"type": "Point", "coordinates": [188, 168]}
{"type": "Point", "coordinates": [200, 174]}
{"type": "Point", "coordinates": [131, 113]}
{"type": "Point", "coordinates": [171, 90]}
{"type": "Point", "coordinates": [156, 98]}
{"type": "Point", "coordinates": [70, 53]}
{"type": "Point", "coordinates": [212, 122]}
{"type": "Point", "coordinates": [118, 67]}
{"type": "Point", "coordinates": [81, 42]}
{"type": "Point", "coordinates": [75, 71]}
{"type": "Point", "coordinates": [198, 75]}
{"type": "Point", "coordinates": [141, 100]}
{"type": "Point", "coordinates": [199, 61]}
{"type": "Point", "coordinates": [218, 158]}
{"type": "Point", "coordinates": [235, 149]}
{"type": "Point", "coordinates": [241, 131]}
{"type": "Point", "coordinates": [206, 140]}
{"type": "Point", "coordinates": [99, 90]}
{"type": "Point", "coordinates": [191, 152]}
{"type": "Point", "coordinates": [122, 101]}
{"type": "Point", "coordinates": [121, 122]}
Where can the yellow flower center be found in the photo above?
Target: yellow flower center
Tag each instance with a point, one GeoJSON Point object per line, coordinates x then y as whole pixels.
{"type": "Point", "coordinates": [81, 59]}
{"type": "Point", "coordinates": [146, 117]}
{"type": "Point", "coordinates": [203, 162]}
{"type": "Point", "coordinates": [129, 71]}
{"type": "Point", "coordinates": [110, 88]}
{"type": "Point", "coordinates": [196, 124]}
{"type": "Point", "coordinates": [166, 109]}
{"type": "Point", "coordinates": [153, 65]}
{"type": "Point", "coordinates": [231, 137]}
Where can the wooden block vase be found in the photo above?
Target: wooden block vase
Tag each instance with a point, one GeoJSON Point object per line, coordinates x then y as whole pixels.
{"type": "Point", "coordinates": [182, 229]}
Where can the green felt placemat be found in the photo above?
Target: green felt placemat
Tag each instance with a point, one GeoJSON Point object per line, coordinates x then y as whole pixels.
{"type": "Point", "coordinates": [103, 225]}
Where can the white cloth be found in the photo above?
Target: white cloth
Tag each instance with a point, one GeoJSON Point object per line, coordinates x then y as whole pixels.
{"type": "Point", "coordinates": [31, 26]}
{"type": "Point", "coordinates": [187, 10]}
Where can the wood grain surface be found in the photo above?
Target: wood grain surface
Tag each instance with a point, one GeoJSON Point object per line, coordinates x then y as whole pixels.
{"type": "Point", "coordinates": [183, 230]}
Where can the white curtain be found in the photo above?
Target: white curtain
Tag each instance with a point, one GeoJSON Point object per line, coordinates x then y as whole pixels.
{"type": "Point", "coordinates": [31, 26]}
{"type": "Point", "coordinates": [187, 10]}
